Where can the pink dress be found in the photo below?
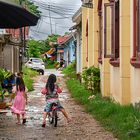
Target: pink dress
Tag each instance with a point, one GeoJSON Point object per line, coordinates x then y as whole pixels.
{"type": "Point", "coordinates": [19, 103]}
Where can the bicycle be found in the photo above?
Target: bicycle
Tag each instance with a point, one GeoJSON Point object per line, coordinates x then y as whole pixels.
{"type": "Point", "coordinates": [53, 115]}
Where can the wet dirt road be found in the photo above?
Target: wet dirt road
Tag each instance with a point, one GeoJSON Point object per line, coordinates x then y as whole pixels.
{"type": "Point", "coordinates": [82, 127]}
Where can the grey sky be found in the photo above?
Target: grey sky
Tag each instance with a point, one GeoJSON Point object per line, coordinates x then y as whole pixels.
{"type": "Point", "coordinates": [60, 25]}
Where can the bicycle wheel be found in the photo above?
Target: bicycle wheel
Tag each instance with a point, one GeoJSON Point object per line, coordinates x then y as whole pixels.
{"type": "Point", "coordinates": [51, 119]}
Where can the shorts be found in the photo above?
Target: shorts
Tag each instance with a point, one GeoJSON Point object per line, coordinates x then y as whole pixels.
{"type": "Point", "coordinates": [48, 105]}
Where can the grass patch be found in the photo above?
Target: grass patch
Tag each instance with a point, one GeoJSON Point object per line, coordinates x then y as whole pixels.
{"type": "Point", "coordinates": [123, 121]}
{"type": "Point", "coordinates": [28, 75]}
{"type": "Point", "coordinates": [51, 64]}
{"type": "Point", "coordinates": [70, 70]}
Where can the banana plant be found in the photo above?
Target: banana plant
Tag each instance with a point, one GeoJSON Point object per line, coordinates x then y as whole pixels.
{"type": "Point", "coordinates": [3, 75]}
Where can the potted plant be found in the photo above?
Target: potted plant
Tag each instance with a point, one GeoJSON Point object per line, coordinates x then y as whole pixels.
{"type": "Point", "coordinates": [3, 75]}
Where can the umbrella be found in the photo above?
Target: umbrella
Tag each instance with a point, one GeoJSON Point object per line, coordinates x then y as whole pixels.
{"type": "Point", "coordinates": [13, 16]}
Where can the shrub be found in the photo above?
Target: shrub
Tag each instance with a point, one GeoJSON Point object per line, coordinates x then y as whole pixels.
{"type": "Point", "coordinates": [70, 70]}
{"type": "Point", "coordinates": [91, 79]}
{"type": "Point", "coordinates": [28, 75]}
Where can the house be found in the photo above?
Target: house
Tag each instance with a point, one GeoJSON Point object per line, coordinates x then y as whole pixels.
{"type": "Point", "coordinates": [77, 19]}
{"type": "Point", "coordinates": [9, 54]}
{"type": "Point", "coordinates": [11, 50]}
{"type": "Point", "coordinates": [110, 41]}
{"type": "Point", "coordinates": [60, 47]}
{"type": "Point", "coordinates": [66, 48]}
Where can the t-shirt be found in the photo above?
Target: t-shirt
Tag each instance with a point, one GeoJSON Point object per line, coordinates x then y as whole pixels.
{"type": "Point", "coordinates": [54, 94]}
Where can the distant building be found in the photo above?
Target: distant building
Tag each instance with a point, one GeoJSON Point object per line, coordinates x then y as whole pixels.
{"type": "Point", "coordinates": [66, 48]}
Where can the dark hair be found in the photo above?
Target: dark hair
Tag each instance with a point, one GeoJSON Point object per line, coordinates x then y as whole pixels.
{"type": "Point", "coordinates": [20, 84]}
{"type": "Point", "coordinates": [50, 82]}
{"type": "Point", "coordinates": [20, 73]}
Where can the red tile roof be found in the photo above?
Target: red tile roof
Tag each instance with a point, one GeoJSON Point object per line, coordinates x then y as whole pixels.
{"type": "Point", "coordinates": [63, 39]}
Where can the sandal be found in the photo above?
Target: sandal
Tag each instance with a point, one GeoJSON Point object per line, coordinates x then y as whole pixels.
{"type": "Point", "coordinates": [24, 121]}
{"type": "Point", "coordinates": [69, 120]}
{"type": "Point", "coordinates": [44, 124]}
{"type": "Point", "coordinates": [18, 123]}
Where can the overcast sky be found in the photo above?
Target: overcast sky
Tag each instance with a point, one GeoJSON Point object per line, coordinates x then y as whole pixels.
{"type": "Point", "coordinates": [61, 13]}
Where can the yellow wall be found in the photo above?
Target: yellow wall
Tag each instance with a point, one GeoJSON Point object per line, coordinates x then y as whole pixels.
{"type": "Point", "coordinates": [105, 78]}
{"type": "Point", "coordinates": [105, 67]}
{"type": "Point", "coordinates": [90, 38]}
{"type": "Point", "coordinates": [125, 51]}
{"type": "Point", "coordinates": [91, 15]}
{"type": "Point", "coordinates": [115, 81]}
{"type": "Point", "coordinates": [135, 86]}
{"type": "Point", "coordinates": [96, 33]}
{"type": "Point", "coordinates": [84, 45]}
{"type": "Point", "coordinates": [135, 72]}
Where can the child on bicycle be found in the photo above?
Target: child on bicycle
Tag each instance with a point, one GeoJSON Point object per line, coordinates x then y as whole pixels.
{"type": "Point", "coordinates": [51, 92]}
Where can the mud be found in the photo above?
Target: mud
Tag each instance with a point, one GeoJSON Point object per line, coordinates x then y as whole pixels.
{"type": "Point", "coordinates": [82, 126]}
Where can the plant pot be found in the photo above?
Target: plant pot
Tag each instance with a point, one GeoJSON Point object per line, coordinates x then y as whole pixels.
{"type": "Point", "coordinates": [3, 105]}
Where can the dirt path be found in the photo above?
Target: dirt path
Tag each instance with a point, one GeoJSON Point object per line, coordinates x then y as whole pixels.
{"type": "Point", "coordinates": [82, 127]}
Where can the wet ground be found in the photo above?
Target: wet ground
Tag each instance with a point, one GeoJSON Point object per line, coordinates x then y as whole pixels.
{"type": "Point", "coordinates": [82, 126]}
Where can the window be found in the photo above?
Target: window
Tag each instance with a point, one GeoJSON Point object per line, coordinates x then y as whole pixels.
{"type": "Point", "coordinates": [111, 32]}
{"type": "Point", "coordinates": [135, 60]}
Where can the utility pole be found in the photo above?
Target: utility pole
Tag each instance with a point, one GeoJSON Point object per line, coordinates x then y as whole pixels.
{"type": "Point", "coordinates": [49, 6]}
{"type": "Point", "coordinates": [55, 28]}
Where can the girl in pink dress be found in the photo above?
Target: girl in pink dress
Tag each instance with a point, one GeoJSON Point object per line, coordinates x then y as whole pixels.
{"type": "Point", "coordinates": [20, 100]}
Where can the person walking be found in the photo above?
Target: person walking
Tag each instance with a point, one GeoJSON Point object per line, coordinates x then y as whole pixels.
{"type": "Point", "coordinates": [51, 92]}
{"type": "Point", "coordinates": [20, 100]}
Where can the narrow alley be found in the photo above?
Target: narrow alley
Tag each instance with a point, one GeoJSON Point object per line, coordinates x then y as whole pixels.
{"type": "Point", "coordinates": [82, 126]}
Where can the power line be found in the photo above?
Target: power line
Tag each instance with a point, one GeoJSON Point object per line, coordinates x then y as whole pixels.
{"type": "Point", "coordinates": [60, 12]}
{"type": "Point", "coordinates": [39, 32]}
{"type": "Point", "coordinates": [59, 9]}
{"type": "Point", "coordinates": [57, 12]}
{"type": "Point", "coordinates": [54, 24]}
{"type": "Point", "coordinates": [50, 19]}
{"type": "Point", "coordinates": [56, 17]}
{"type": "Point", "coordinates": [68, 5]}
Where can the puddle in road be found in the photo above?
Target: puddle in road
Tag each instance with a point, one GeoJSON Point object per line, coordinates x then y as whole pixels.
{"type": "Point", "coordinates": [63, 97]}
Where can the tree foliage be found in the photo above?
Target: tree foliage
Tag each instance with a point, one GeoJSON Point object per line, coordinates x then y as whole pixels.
{"type": "Point", "coordinates": [52, 38]}
{"type": "Point", "coordinates": [27, 3]}
{"type": "Point", "coordinates": [38, 47]}
{"type": "Point", "coordinates": [33, 8]}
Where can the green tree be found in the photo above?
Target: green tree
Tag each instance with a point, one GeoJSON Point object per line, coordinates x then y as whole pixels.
{"type": "Point", "coordinates": [27, 3]}
{"type": "Point", "coordinates": [52, 38]}
{"type": "Point", "coordinates": [38, 47]}
{"type": "Point", "coordinates": [35, 48]}
{"type": "Point", "coordinates": [32, 7]}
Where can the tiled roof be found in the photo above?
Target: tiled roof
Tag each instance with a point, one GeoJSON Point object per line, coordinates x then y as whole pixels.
{"type": "Point", "coordinates": [63, 39]}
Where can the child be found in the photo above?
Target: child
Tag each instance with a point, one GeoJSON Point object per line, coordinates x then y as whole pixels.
{"type": "Point", "coordinates": [20, 100]}
{"type": "Point", "coordinates": [52, 91]}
